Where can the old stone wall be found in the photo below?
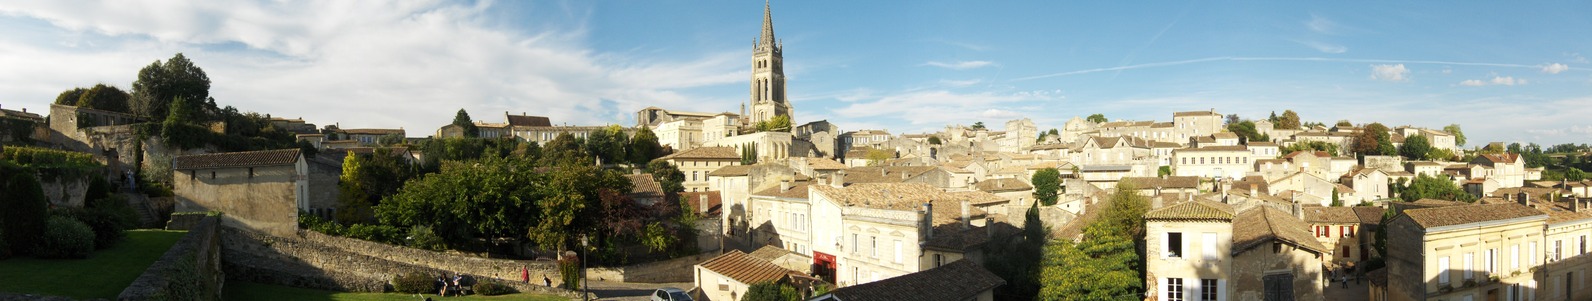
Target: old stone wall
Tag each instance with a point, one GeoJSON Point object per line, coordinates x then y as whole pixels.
{"type": "Point", "coordinates": [260, 198]}
{"type": "Point", "coordinates": [191, 268]}
{"type": "Point", "coordinates": [315, 260]}
{"type": "Point", "coordinates": [673, 270]}
{"type": "Point", "coordinates": [65, 191]}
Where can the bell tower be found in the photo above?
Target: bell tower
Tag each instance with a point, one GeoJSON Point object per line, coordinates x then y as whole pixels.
{"type": "Point", "coordinates": [768, 75]}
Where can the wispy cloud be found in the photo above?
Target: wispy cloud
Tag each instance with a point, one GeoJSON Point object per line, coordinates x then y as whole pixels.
{"type": "Point", "coordinates": [1473, 83]}
{"type": "Point", "coordinates": [943, 106]}
{"type": "Point", "coordinates": [1324, 46]}
{"type": "Point", "coordinates": [960, 65]}
{"type": "Point", "coordinates": [960, 83]}
{"type": "Point", "coordinates": [1322, 25]}
{"type": "Point", "coordinates": [1495, 80]}
{"type": "Point", "coordinates": [352, 61]}
{"type": "Point", "coordinates": [1555, 68]}
{"type": "Point", "coordinates": [1275, 59]}
{"type": "Point", "coordinates": [1392, 73]}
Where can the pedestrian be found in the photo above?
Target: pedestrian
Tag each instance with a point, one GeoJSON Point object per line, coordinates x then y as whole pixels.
{"type": "Point", "coordinates": [525, 275]}
{"type": "Point", "coordinates": [1344, 280]}
{"type": "Point", "coordinates": [548, 281]}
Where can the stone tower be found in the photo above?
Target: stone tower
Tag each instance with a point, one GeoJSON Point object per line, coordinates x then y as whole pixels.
{"type": "Point", "coordinates": [768, 75]}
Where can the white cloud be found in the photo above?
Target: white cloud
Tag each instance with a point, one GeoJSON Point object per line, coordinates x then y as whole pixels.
{"type": "Point", "coordinates": [1321, 24]}
{"type": "Point", "coordinates": [1555, 68]}
{"type": "Point", "coordinates": [1392, 73]}
{"type": "Point", "coordinates": [1325, 47]}
{"type": "Point", "coordinates": [960, 83]}
{"type": "Point", "coordinates": [1473, 83]}
{"type": "Point", "coordinates": [943, 107]}
{"type": "Point", "coordinates": [1507, 80]}
{"type": "Point", "coordinates": [961, 65]}
{"type": "Point", "coordinates": [407, 64]}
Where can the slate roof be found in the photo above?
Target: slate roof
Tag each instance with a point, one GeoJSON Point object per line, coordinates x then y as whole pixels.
{"type": "Point", "coordinates": [1257, 226]}
{"type": "Point", "coordinates": [1195, 210]}
{"type": "Point", "coordinates": [643, 186]}
{"type": "Point", "coordinates": [236, 159]}
{"type": "Point", "coordinates": [1428, 218]}
{"type": "Point", "coordinates": [1002, 185]}
{"type": "Point", "coordinates": [1331, 215]}
{"type": "Point", "coordinates": [708, 152]}
{"type": "Point", "coordinates": [744, 268]}
{"type": "Point", "coordinates": [960, 280]}
{"type": "Point", "coordinates": [528, 120]}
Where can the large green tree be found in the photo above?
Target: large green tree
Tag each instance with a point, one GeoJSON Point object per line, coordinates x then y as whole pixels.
{"type": "Point", "coordinates": [644, 147]}
{"type": "Point", "coordinates": [1247, 130]}
{"type": "Point", "coordinates": [462, 119]}
{"type": "Point", "coordinates": [22, 210]}
{"type": "Point", "coordinates": [104, 97]}
{"type": "Point", "coordinates": [70, 96]}
{"type": "Point", "coordinates": [668, 176]}
{"type": "Point", "coordinates": [771, 291]}
{"type": "Point", "coordinates": [1105, 264]}
{"type": "Point", "coordinates": [608, 144]}
{"type": "Point", "coordinates": [160, 83]}
{"type": "Point", "coordinates": [1047, 182]}
{"type": "Point", "coordinates": [1288, 121]}
{"type": "Point", "coordinates": [1373, 140]}
{"type": "Point", "coordinates": [1415, 147]}
{"type": "Point", "coordinates": [1425, 187]}
{"type": "Point", "coordinates": [1096, 118]}
{"type": "Point", "coordinates": [1459, 136]}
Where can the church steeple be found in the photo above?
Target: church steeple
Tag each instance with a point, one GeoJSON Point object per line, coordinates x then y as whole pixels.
{"type": "Point", "coordinates": [768, 75]}
{"type": "Point", "coordinates": [767, 39]}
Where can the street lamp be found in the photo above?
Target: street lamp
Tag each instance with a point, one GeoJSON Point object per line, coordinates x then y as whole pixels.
{"type": "Point", "coordinates": [585, 285]}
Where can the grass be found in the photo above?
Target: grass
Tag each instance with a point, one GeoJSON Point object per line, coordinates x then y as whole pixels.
{"type": "Point", "coordinates": [248, 291]}
{"type": "Point", "coordinates": [102, 275]}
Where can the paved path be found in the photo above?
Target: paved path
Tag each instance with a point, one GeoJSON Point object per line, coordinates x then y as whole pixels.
{"type": "Point", "coordinates": [630, 291]}
{"type": "Point", "coordinates": [1355, 292]}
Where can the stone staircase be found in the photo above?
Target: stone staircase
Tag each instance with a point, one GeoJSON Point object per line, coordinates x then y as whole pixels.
{"type": "Point", "coordinates": [146, 211]}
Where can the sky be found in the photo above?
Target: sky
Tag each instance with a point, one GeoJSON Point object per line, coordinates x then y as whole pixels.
{"type": "Point", "coordinates": [1504, 71]}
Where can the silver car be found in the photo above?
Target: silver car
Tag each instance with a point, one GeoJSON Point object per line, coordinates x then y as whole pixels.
{"type": "Point", "coordinates": [670, 294]}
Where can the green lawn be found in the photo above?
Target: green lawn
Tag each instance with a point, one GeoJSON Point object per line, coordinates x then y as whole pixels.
{"type": "Point", "coordinates": [248, 291]}
{"type": "Point", "coordinates": [103, 275]}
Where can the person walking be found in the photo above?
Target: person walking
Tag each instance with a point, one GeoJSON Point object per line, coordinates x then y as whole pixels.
{"type": "Point", "coordinates": [548, 281]}
{"type": "Point", "coordinates": [525, 275]}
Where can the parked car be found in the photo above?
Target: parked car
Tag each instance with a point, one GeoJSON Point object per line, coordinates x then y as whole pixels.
{"type": "Point", "coordinates": [670, 294]}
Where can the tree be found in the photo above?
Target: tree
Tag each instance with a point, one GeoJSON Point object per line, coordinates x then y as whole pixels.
{"type": "Point", "coordinates": [1046, 183]}
{"type": "Point", "coordinates": [1425, 187]}
{"type": "Point", "coordinates": [644, 147]}
{"type": "Point", "coordinates": [23, 209]}
{"type": "Point", "coordinates": [158, 84]}
{"type": "Point", "coordinates": [1459, 136]}
{"type": "Point", "coordinates": [1440, 154]}
{"type": "Point", "coordinates": [978, 125]}
{"type": "Point", "coordinates": [1017, 257]}
{"type": "Point", "coordinates": [1335, 201]}
{"type": "Point", "coordinates": [1105, 264]}
{"type": "Point", "coordinates": [390, 139]}
{"type": "Point", "coordinates": [1415, 148]}
{"type": "Point", "coordinates": [1273, 119]}
{"type": "Point", "coordinates": [102, 97]}
{"type": "Point", "coordinates": [1311, 146]}
{"type": "Point", "coordinates": [780, 123]}
{"type": "Point", "coordinates": [352, 201]}
{"type": "Point", "coordinates": [935, 140]}
{"type": "Point", "coordinates": [1231, 119]}
{"type": "Point", "coordinates": [1574, 174]}
{"type": "Point", "coordinates": [1288, 121]}
{"type": "Point", "coordinates": [771, 291]}
{"type": "Point", "coordinates": [877, 157]}
{"type": "Point", "coordinates": [462, 119]}
{"type": "Point", "coordinates": [608, 144]}
{"type": "Point", "coordinates": [70, 96]}
{"type": "Point", "coordinates": [668, 176]}
{"type": "Point", "coordinates": [1096, 118]}
{"type": "Point", "coordinates": [1373, 140]}
{"type": "Point", "coordinates": [1247, 130]}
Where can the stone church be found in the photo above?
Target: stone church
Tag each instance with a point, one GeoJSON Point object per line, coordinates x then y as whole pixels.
{"type": "Point", "coordinates": [768, 75]}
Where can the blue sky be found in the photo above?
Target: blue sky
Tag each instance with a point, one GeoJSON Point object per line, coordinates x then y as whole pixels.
{"type": "Point", "coordinates": [1504, 71]}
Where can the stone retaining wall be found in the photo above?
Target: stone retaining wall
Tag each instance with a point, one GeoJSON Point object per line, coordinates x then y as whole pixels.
{"type": "Point", "coordinates": [673, 270]}
{"type": "Point", "coordinates": [191, 268]}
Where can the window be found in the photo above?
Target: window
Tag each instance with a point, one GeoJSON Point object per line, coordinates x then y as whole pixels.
{"type": "Point", "coordinates": [1208, 289]}
{"type": "Point", "coordinates": [1514, 257]}
{"type": "Point", "coordinates": [1174, 289]}
{"type": "Point", "coordinates": [939, 260]}
{"type": "Point", "coordinates": [873, 246]}
{"type": "Point", "coordinates": [854, 243]}
{"type": "Point", "coordinates": [1491, 256]}
{"type": "Point", "coordinates": [1208, 246]}
{"type": "Point", "coordinates": [1348, 231]}
{"type": "Point", "coordinates": [1442, 270]}
{"type": "Point", "coordinates": [898, 251]}
{"type": "Point", "coordinates": [1469, 271]}
{"type": "Point", "coordinates": [1531, 249]}
{"type": "Point", "coordinates": [1558, 250]}
{"type": "Point", "coordinates": [1583, 245]}
{"type": "Point", "coordinates": [1174, 244]}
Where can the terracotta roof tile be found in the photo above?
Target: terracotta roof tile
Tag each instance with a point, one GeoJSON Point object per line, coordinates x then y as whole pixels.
{"type": "Point", "coordinates": [1195, 210]}
{"type": "Point", "coordinates": [709, 152]}
{"type": "Point", "coordinates": [769, 253]}
{"type": "Point", "coordinates": [1254, 227]}
{"type": "Point", "coordinates": [1331, 215]}
{"type": "Point", "coordinates": [798, 191]}
{"type": "Point", "coordinates": [1167, 182]}
{"type": "Point", "coordinates": [642, 185]}
{"type": "Point", "coordinates": [236, 159]}
{"type": "Point", "coordinates": [960, 280]}
{"type": "Point", "coordinates": [825, 164]}
{"type": "Point", "coordinates": [1002, 185]}
{"type": "Point", "coordinates": [745, 268]}
{"type": "Point", "coordinates": [900, 196]}
{"type": "Point", "coordinates": [1428, 218]}
{"type": "Point", "coordinates": [1369, 215]}
{"type": "Point", "coordinates": [731, 171]}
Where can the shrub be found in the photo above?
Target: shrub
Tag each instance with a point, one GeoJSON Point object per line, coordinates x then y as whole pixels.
{"type": "Point", "coordinates": [23, 209]}
{"type": "Point", "coordinates": [569, 270]}
{"type": "Point", "coordinates": [414, 283]}
{"type": "Point", "coordinates": [490, 288]}
{"type": "Point", "coordinates": [5, 251]}
{"type": "Point", "coordinates": [65, 237]}
{"type": "Point", "coordinates": [109, 217]}
{"type": "Point", "coordinates": [421, 237]}
{"type": "Point", "coordinates": [376, 233]}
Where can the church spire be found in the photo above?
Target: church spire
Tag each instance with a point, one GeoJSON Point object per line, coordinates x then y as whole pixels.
{"type": "Point", "coordinates": [768, 27]}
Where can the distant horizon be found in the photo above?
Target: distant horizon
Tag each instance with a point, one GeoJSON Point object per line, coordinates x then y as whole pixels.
{"type": "Point", "coordinates": [1504, 72]}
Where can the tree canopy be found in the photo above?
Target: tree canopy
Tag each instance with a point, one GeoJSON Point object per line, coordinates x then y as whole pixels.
{"type": "Point", "coordinates": [1426, 187]}
{"type": "Point", "coordinates": [1096, 118]}
{"type": "Point", "coordinates": [100, 97]}
{"type": "Point", "coordinates": [1373, 140]}
{"type": "Point", "coordinates": [1288, 121]}
{"type": "Point", "coordinates": [462, 119]}
{"type": "Point", "coordinates": [771, 291]}
{"type": "Point", "coordinates": [1415, 147]}
{"type": "Point", "coordinates": [644, 147]}
{"type": "Point", "coordinates": [1047, 182]}
{"type": "Point", "coordinates": [780, 123]}
{"type": "Point", "coordinates": [978, 125]}
{"type": "Point", "coordinates": [1247, 130]}
{"type": "Point", "coordinates": [1459, 136]}
{"type": "Point", "coordinates": [1105, 264]}
{"type": "Point", "coordinates": [160, 83]}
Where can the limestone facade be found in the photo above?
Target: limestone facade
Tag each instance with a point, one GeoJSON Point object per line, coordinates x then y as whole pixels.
{"type": "Point", "coordinates": [260, 190]}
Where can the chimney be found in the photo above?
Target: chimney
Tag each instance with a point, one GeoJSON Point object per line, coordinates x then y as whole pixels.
{"type": "Point", "coordinates": [635, 171]}
{"type": "Point", "coordinates": [903, 176]}
{"type": "Point", "coordinates": [989, 226]}
{"type": "Point", "coordinates": [784, 185]}
{"type": "Point", "coordinates": [1298, 209]}
{"type": "Point", "coordinates": [883, 171]}
{"type": "Point", "coordinates": [928, 220]}
{"type": "Point", "coordinates": [1000, 184]}
{"type": "Point", "coordinates": [702, 203]}
{"type": "Point", "coordinates": [1525, 199]}
{"type": "Point", "coordinates": [967, 221]}
{"type": "Point", "coordinates": [838, 180]}
{"type": "Point", "coordinates": [1155, 202]}
{"type": "Point", "coordinates": [1254, 190]}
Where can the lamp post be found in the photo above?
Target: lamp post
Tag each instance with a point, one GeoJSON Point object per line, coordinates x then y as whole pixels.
{"type": "Point", "coordinates": [585, 286]}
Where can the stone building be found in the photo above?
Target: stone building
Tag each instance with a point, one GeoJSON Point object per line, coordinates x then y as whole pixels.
{"type": "Point", "coordinates": [1202, 250]}
{"type": "Point", "coordinates": [768, 75]}
{"type": "Point", "coordinates": [370, 137]}
{"type": "Point", "coordinates": [1227, 162]}
{"type": "Point", "coordinates": [728, 276]}
{"type": "Point", "coordinates": [960, 280]}
{"type": "Point", "coordinates": [698, 162]}
{"type": "Point", "coordinates": [257, 190]}
{"type": "Point", "coordinates": [881, 226]}
{"type": "Point", "coordinates": [1467, 252]}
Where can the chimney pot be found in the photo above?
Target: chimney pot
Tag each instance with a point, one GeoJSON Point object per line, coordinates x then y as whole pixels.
{"type": "Point", "coordinates": [784, 185]}
{"type": "Point", "coordinates": [967, 222]}
{"type": "Point", "coordinates": [928, 220]}
{"type": "Point", "coordinates": [838, 180]}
